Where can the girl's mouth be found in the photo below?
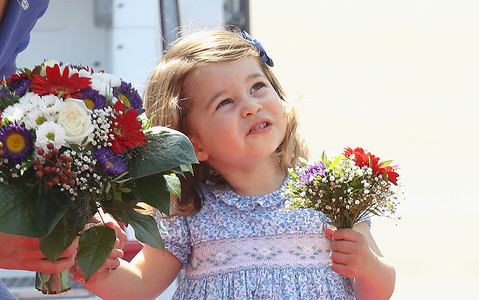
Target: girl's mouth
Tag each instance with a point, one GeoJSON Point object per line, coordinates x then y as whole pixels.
{"type": "Point", "coordinates": [259, 127]}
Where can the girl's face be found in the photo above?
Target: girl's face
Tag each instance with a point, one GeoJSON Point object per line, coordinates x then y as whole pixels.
{"type": "Point", "coordinates": [236, 118]}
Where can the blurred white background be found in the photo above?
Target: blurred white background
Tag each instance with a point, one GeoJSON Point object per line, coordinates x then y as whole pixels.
{"type": "Point", "coordinates": [401, 79]}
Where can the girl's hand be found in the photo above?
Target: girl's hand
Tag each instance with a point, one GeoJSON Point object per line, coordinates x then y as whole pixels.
{"type": "Point", "coordinates": [350, 253]}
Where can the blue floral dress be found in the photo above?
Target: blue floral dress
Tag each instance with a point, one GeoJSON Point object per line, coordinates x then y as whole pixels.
{"type": "Point", "coordinates": [247, 247]}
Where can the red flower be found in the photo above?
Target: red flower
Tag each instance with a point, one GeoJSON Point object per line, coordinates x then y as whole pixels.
{"type": "Point", "coordinates": [56, 83]}
{"type": "Point", "coordinates": [368, 159]}
{"type": "Point", "coordinates": [126, 130]}
{"type": "Point", "coordinates": [360, 157]}
{"type": "Point", "coordinates": [16, 77]}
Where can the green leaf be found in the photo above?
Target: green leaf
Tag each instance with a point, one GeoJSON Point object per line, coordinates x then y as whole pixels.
{"type": "Point", "coordinates": [386, 163]}
{"type": "Point", "coordinates": [174, 185]}
{"type": "Point", "coordinates": [54, 244]}
{"type": "Point", "coordinates": [303, 161]}
{"type": "Point", "coordinates": [146, 229]}
{"type": "Point", "coordinates": [154, 191]}
{"type": "Point", "coordinates": [335, 162]}
{"type": "Point", "coordinates": [166, 149]}
{"type": "Point", "coordinates": [25, 212]}
{"type": "Point", "coordinates": [94, 247]}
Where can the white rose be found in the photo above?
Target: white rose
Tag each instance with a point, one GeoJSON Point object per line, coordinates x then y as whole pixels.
{"type": "Point", "coordinates": [74, 117]}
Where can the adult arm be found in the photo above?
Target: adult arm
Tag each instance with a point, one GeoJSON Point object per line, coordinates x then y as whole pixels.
{"type": "Point", "coordinates": [22, 253]}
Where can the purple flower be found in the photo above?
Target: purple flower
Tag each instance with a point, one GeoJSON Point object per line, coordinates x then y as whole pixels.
{"type": "Point", "coordinates": [4, 93]}
{"type": "Point", "coordinates": [129, 96]}
{"type": "Point", "coordinates": [20, 86]}
{"type": "Point", "coordinates": [111, 162]}
{"type": "Point", "coordinates": [17, 85]}
{"type": "Point", "coordinates": [93, 100]}
{"type": "Point", "coordinates": [310, 174]}
{"type": "Point", "coordinates": [16, 142]}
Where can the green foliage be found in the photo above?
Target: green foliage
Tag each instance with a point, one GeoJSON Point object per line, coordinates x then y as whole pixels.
{"type": "Point", "coordinates": [25, 212]}
{"type": "Point", "coordinates": [165, 150]}
{"type": "Point", "coordinates": [49, 214]}
{"type": "Point", "coordinates": [94, 247]}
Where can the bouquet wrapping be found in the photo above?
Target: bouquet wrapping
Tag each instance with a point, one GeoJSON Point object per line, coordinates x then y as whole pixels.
{"type": "Point", "coordinates": [347, 189]}
{"type": "Point", "coordinates": [74, 142]}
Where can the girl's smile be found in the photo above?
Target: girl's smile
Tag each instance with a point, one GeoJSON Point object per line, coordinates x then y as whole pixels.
{"type": "Point", "coordinates": [262, 127]}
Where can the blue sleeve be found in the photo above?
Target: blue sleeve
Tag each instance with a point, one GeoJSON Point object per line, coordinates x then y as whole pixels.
{"type": "Point", "coordinates": [176, 235]}
{"type": "Point", "coordinates": [4, 293]}
{"type": "Point", "coordinates": [15, 31]}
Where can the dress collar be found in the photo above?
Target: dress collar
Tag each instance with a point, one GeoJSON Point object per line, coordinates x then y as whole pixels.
{"type": "Point", "coordinates": [225, 194]}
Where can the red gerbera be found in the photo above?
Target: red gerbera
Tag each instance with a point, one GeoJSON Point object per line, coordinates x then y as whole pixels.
{"type": "Point", "coordinates": [368, 159]}
{"type": "Point", "coordinates": [126, 130]}
{"type": "Point", "coordinates": [56, 83]}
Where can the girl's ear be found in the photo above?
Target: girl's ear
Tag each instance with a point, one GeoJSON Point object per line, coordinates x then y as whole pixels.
{"type": "Point", "coordinates": [201, 154]}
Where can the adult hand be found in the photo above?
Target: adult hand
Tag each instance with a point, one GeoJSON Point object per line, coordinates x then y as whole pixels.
{"type": "Point", "coordinates": [112, 262]}
{"type": "Point", "coordinates": [22, 253]}
{"type": "Point", "coordinates": [103, 219]}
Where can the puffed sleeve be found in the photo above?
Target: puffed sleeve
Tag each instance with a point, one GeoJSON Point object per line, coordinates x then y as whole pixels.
{"type": "Point", "coordinates": [176, 235]}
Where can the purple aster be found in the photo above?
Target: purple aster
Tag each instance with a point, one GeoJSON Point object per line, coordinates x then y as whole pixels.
{"type": "Point", "coordinates": [16, 142]}
{"type": "Point", "coordinates": [20, 85]}
{"type": "Point", "coordinates": [4, 93]}
{"type": "Point", "coordinates": [310, 174]}
{"type": "Point", "coordinates": [111, 162]}
{"type": "Point", "coordinates": [129, 96]}
{"type": "Point", "coordinates": [93, 100]}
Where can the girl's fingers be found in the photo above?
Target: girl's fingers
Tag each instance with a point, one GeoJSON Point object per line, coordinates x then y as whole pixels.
{"type": "Point", "coordinates": [340, 258]}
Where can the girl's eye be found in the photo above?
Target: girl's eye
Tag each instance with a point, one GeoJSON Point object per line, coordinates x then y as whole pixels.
{"type": "Point", "coordinates": [256, 87]}
{"type": "Point", "coordinates": [224, 102]}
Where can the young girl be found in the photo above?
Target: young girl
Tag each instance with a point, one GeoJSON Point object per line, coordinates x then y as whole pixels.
{"type": "Point", "coordinates": [230, 233]}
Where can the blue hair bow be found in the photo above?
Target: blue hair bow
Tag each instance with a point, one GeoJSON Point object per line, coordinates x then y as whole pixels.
{"type": "Point", "coordinates": [263, 57]}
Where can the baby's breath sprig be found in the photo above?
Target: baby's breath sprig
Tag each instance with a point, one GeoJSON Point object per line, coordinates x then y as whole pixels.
{"type": "Point", "coordinates": [347, 189]}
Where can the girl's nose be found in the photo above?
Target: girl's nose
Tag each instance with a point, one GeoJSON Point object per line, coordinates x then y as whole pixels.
{"type": "Point", "coordinates": [250, 107]}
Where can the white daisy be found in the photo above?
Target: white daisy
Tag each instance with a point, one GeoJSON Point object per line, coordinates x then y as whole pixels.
{"type": "Point", "coordinates": [29, 100]}
{"type": "Point", "coordinates": [50, 132]}
{"type": "Point", "coordinates": [51, 104]}
{"type": "Point", "coordinates": [104, 83]}
{"type": "Point", "coordinates": [14, 113]}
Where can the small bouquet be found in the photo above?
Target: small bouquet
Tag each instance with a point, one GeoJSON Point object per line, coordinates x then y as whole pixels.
{"type": "Point", "coordinates": [347, 189]}
{"type": "Point", "coordinates": [72, 143]}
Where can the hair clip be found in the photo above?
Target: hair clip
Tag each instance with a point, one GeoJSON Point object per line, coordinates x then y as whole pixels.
{"type": "Point", "coordinates": [263, 57]}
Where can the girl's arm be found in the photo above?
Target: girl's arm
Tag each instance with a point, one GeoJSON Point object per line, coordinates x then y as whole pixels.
{"type": "Point", "coordinates": [356, 255]}
{"type": "Point", "coordinates": [148, 274]}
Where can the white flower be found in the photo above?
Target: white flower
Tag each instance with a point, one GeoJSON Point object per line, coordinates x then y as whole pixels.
{"type": "Point", "coordinates": [74, 117]}
{"type": "Point", "coordinates": [29, 100]}
{"type": "Point", "coordinates": [36, 117]}
{"type": "Point", "coordinates": [14, 113]}
{"type": "Point", "coordinates": [50, 103]}
{"type": "Point", "coordinates": [50, 132]}
{"type": "Point", "coordinates": [104, 82]}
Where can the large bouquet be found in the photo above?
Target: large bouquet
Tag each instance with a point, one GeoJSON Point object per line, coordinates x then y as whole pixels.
{"type": "Point", "coordinates": [347, 189]}
{"type": "Point", "coordinates": [72, 143]}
